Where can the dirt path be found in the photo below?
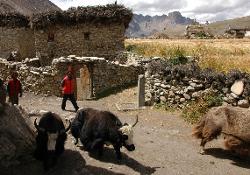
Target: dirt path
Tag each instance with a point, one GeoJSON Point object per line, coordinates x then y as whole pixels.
{"type": "Point", "coordinates": [164, 145]}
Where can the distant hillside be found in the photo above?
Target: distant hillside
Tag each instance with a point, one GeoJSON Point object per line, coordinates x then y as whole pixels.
{"type": "Point", "coordinates": [172, 24]}
{"type": "Point", "coordinates": [27, 7]}
{"type": "Point", "coordinates": [218, 28]}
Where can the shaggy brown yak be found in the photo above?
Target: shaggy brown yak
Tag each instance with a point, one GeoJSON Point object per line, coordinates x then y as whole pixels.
{"type": "Point", "coordinates": [232, 122]}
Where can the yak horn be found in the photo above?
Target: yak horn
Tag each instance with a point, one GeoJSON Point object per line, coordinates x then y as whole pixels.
{"type": "Point", "coordinates": [67, 129]}
{"type": "Point", "coordinates": [135, 121]}
{"type": "Point", "coordinates": [37, 127]}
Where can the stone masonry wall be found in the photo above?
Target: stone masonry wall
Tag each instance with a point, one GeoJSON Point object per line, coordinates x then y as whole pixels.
{"type": "Point", "coordinates": [177, 85]}
{"type": "Point", "coordinates": [21, 39]}
{"type": "Point", "coordinates": [104, 41]}
{"type": "Point", "coordinates": [109, 76]}
{"type": "Point", "coordinates": [46, 80]}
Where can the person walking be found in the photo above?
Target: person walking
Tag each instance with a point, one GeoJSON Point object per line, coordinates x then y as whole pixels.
{"type": "Point", "coordinates": [68, 87]}
{"type": "Point", "coordinates": [14, 88]}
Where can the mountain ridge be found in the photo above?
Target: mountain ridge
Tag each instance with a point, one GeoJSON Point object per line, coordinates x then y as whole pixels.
{"type": "Point", "coordinates": [27, 7]}
{"type": "Point", "coordinates": [145, 26]}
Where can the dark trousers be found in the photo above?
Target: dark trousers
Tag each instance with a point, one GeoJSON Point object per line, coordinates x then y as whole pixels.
{"type": "Point", "coordinates": [13, 99]}
{"type": "Point", "coordinates": [72, 98]}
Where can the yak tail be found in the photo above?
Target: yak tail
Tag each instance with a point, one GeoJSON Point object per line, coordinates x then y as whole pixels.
{"type": "Point", "coordinates": [197, 130]}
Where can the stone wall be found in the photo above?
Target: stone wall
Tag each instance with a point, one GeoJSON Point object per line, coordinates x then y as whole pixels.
{"type": "Point", "coordinates": [21, 39]}
{"type": "Point", "coordinates": [82, 40]}
{"type": "Point", "coordinates": [177, 85]}
{"type": "Point", "coordinates": [109, 76]}
{"type": "Point", "coordinates": [105, 75]}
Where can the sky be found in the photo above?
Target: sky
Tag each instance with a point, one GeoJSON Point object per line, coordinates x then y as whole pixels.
{"type": "Point", "coordinates": [201, 10]}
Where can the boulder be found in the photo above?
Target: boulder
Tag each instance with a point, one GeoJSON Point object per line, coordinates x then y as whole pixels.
{"type": "Point", "coordinates": [243, 103]}
{"type": "Point", "coordinates": [163, 99]}
{"type": "Point", "coordinates": [186, 96]}
{"type": "Point", "coordinates": [238, 87]}
{"type": "Point", "coordinates": [17, 138]}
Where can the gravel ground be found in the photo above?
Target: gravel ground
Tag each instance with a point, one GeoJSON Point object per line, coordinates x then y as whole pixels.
{"type": "Point", "coordinates": [164, 145]}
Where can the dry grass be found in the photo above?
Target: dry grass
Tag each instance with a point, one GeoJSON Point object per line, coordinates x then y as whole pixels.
{"type": "Point", "coordinates": [221, 55]}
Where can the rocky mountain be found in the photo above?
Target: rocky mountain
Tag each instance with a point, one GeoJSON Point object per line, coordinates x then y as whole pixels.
{"type": "Point", "coordinates": [143, 26]}
{"type": "Point", "coordinates": [26, 7]}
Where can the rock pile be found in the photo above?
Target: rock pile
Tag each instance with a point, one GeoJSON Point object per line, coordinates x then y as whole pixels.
{"type": "Point", "coordinates": [176, 85]}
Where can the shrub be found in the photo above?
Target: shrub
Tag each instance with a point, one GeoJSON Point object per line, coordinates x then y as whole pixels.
{"type": "Point", "coordinates": [198, 108]}
{"type": "Point", "coordinates": [177, 56]}
{"type": "Point", "coordinates": [131, 48]}
{"type": "Point", "coordinates": [201, 34]}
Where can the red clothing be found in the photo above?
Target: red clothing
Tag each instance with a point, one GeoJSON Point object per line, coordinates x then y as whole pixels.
{"type": "Point", "coordinates": [14, 87]}
{"type": "Point", "coordinates": [68, 85]}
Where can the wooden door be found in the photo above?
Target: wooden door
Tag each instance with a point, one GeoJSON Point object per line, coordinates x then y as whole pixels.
{"type": "Point", "coordinates": [83, 84]}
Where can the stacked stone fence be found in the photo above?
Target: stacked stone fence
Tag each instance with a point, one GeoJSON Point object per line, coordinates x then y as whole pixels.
{"type": "Point", "coordinates": [106, 75]}
{"type": "Point", "coordinates": [177, 85]}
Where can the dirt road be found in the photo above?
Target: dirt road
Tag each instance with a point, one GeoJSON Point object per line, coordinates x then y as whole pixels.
{"type": "Point", "coordinates": [164, 145]}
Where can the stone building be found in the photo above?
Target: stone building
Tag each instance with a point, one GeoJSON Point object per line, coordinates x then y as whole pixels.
{"type": "Point", "coordinates": [197, 31]}
{"type": "Point", "coordinates": [15, 34]}
{"type": "Point", "coordinates": [83, 31]}
{"type": "Point", "coordinates": [237, 32]}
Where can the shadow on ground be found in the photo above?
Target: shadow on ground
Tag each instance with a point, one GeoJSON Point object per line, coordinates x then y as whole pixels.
{"type": "Point", "coordinates": [226, 154]}
{"type": "Point", "coordinates": [110, 157]}
{"type": "Point", "coordinates": [70, 163]}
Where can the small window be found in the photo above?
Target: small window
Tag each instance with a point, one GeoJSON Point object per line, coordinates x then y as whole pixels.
{"type": "Point", "coordinates": [86, 36]}
{"type": "Point", "coordinates": [51, 37]}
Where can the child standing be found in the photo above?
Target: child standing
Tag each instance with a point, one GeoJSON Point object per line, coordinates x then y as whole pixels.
{"type": "Point", "coordinates": [14, 89]}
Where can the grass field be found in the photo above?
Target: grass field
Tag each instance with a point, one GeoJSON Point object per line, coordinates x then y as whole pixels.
{"type": "Point", "coordinates": [222, 55]}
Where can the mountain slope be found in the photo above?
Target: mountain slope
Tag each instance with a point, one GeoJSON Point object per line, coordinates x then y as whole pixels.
{"type": "Point", "coordinates": [27, 7]}
{"type": "Point", "coordinates": [143, 26]}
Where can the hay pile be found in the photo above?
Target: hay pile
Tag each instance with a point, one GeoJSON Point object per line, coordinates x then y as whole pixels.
{"type": "Point", "coordinates": [91, 14]}
{"type": "Point", "coordinates": [107, 14]}
{"type": "Point", "coordinates": [13, 20]}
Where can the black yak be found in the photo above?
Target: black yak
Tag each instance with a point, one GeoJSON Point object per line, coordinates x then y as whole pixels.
{"type": "Point", "coordinates": [50, 139]}
{"type": "Point", "coordinates": [232, 122]}
{"type": "Point", "coordinates": [96, 128]}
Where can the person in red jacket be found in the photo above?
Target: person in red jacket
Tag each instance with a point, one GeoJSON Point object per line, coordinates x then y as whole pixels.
{"type": "Point", "coordinates": [14, 88]}
{"type": "Point", "coordinates": [68, 87]}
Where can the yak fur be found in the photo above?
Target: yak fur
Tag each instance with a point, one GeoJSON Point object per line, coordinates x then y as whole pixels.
{"type": "Point", "coordinates": [232, 122]}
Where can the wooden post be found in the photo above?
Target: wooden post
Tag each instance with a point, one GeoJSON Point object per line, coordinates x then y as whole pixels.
{"type": "Point", "coordinates": [141, 91]}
